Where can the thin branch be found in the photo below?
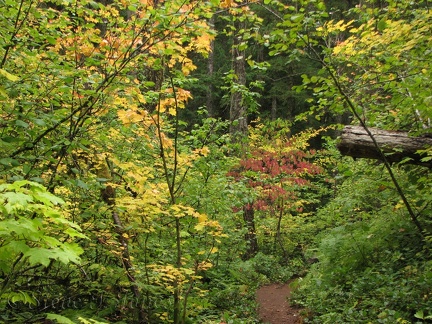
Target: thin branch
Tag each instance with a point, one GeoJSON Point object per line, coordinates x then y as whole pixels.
{"type": "Point", "coordinates": [17, 27]}
{"type": "Point", "coordinates": [176, 133]}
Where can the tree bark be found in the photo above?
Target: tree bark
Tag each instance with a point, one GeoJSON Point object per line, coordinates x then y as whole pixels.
{"type": "Point", "coordinates": [396, 145]}
{"type": "Point", "coordinates": [250, 236]}
{"type": "Point", "coordinates": [238, 111]}
{"type": "Point", "coordinates": [274, 108]}
{"type": "Point", "coordinates": [108, 196]}
{"type": "Point", "coordinates": [210, 70]}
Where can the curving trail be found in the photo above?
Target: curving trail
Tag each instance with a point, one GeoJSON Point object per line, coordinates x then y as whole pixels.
{"type": "Point", "coordinates": [274, 307]}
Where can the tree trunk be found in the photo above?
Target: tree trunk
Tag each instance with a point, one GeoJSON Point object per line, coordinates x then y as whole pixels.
{"type": "Point", "coordinates": [278, 237]}
{"type": "Point", "coordinates": [238, 111]}
{"type": "Point", "coordinates": [274, 108]}
{"type": "Point", "coordinates": [250, 236]}
{"type": "Point", "coordinates": [108, 196]}
{"type": "Point", "coordinates": [396, 145]}
{"type": "Point", "coordinates": [210, 70]}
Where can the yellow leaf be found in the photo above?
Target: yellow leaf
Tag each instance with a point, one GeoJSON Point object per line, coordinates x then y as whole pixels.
{"type": "Point", "coordinates": [227, 4]}
{"type": "Point", "coordinates": [202, 218]}
{"type": "Point", "coordinates": [188, 66]}
{"type": "Point", "coordinates": [399, 205]}
{"type": "Point", "coordinates": [199, 227]}
{"type": "Point", "coordinates": [129, 116]}
{"type": "Point", "coordinates": [141, 98]}
{"type": "Point", "coordinates": [204, 265]}
{"type": "Point", "coordinates": [87, 49]}
{"type": "Point", "coordinates": [188, 271]}
{"type": "Point", "coordinates": [202, 151]}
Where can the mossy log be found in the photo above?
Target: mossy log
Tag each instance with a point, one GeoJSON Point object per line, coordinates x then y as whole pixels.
{"type": "Point", "coordinates": [397, 146]}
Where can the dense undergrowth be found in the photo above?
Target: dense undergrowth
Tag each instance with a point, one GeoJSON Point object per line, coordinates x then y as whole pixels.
{"type": "Point", "coordinates": [354, 252]}
{"type": "Point", "coordinates": [363, 261]}
{"type": "Point", "coordinates": [374, 265]}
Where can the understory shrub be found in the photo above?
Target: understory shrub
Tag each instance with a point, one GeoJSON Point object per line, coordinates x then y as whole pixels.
{"type": "Point", "coordinates": [374, 265]}
{"type": "Point", "coordinates": [271, 268]}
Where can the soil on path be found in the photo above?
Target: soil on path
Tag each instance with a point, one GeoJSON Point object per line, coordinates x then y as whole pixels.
{"type": "Point", "coordinates": [274, 307]}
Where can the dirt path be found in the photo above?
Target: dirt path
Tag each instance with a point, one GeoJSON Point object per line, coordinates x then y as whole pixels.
{"type": "Point", "coordinates": [274, 307]}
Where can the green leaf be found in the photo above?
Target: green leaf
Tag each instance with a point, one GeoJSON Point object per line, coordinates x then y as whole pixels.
{"type": "Point", "coordinates": [70, 253]}
{"type": "Point", "coordinates": [74, 233]}
{"type": "Point", "coordinates": [8, 162]}
{"type": "Point", "coordinates": [22, 124]}
{"type": "Point", "coordinates": [406, 160]}
{"type": "Point", "coordinates": [3, 92]}
{"type": "Point", "coordinates": [19, 296]}
{"type": "Point", "coordinates": [39, 122]}
{"type": "Point", "coordinates": [426, 159]}
{"type": "Point", "coordinates": [18, 246]}
{"type": "Point", "coordinates": [296, 18]}
{"type": "Point", "coordinates": [91, 321]}
{"type": "Point", "coordinates": [15, 200]}
{"type": "Point", "coordinates": [382, 24]}
{"type": "Point", "coordinates": [82, 184]}
{"type": "Point", "coordinates": [419, 314]}
{"type": "Point", "coordinates": [11, 139]}
{"type": "Point", "coordinates": [48, 199]}
{"type": "Point", "coordinates": [8, 75]}
{"type": "Point", "coordinates": [18, 184]}
{"type": "Point", "coordinates": [60, 319]}
{"type": "Point", "coordinates": [39, 256]}
{"type": "Point", "coordinates": [52, 242]}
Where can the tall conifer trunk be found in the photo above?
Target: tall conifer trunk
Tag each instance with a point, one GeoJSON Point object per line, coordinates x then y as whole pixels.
{"type": "Point", "coordinates": [274, 108]}
{"type": "Point", "coordinates": [239, 127]}
{"type": "Point", "coordinates": [238, 111]}
{"type": "Point", "coordinates": [210, 70]}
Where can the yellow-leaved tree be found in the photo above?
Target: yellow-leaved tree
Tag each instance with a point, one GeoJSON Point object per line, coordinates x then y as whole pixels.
{"type": "Point", "coordinates": [90, 94]}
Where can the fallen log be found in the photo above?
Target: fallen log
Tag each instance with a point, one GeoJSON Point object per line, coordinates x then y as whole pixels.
{"type": "Point", "coordinates": [396, 145]}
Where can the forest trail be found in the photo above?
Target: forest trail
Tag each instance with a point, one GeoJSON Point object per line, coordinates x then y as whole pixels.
{"type": "Point", "coordinates": [274, 307]}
